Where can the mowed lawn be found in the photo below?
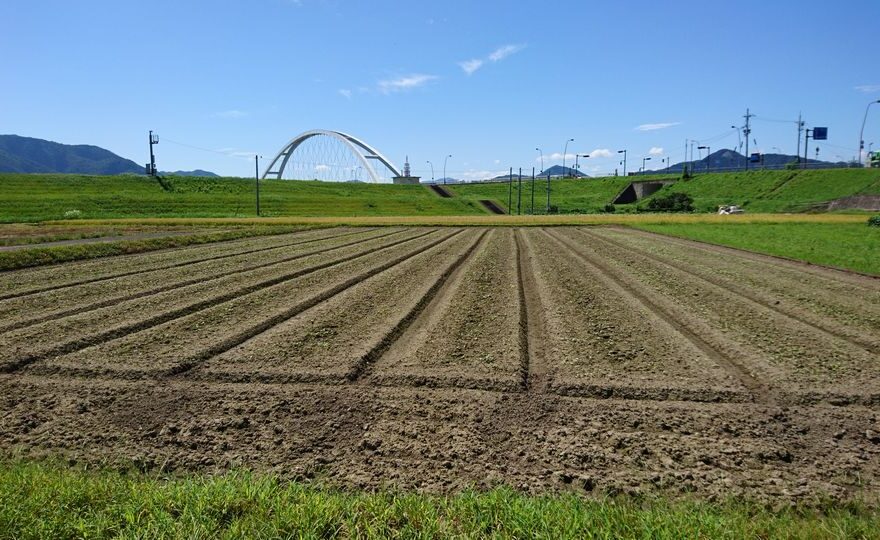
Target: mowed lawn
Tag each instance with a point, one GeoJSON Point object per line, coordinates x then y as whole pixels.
{"type": "Point", "coordinates": [854, 246]}
{"type": "Point", "coordinates": [40, 197]}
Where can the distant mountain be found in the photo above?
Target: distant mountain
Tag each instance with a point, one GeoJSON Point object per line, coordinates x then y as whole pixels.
{"type": "Point", "coordinates": [730, 160]}
{"type": "Point", "coordinates": [29, 155]}
{"type": "Point", "coordinates": [441, 181]}
{"type": "Point", "coordinates": [197, 172]}
{"type": "Point", "coordinates": [558, 170]}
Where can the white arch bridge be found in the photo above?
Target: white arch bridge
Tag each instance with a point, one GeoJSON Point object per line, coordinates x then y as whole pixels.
{"type": "Point", "coordinates": [321, 154]}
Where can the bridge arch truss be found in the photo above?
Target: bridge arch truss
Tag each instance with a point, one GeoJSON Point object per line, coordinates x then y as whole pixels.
{"type": "Point", "coordinates": [365, 154]}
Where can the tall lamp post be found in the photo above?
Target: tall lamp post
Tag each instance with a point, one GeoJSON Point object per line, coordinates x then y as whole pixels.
{"type": "Point", "coordinates": [444, 168]}
{"type": "Point", "coordinates": [644, 159]}
{"type": "Point", "coordinates": [565, 151]}
{"type": "Point", "coordinates": [542, 158]}
{"type": "Point", "coordinates": [576, 156]}
{"type": "Point", "coordinates": [624, 160]}
{"type": "Point", "coordinates": [432, 171]}
{"type": "Point", "coordinates": [862, 132]}
{"type": "Point", "coordinates": [257, 177]}
{"type": "Point", "coordinates": [708, 151]}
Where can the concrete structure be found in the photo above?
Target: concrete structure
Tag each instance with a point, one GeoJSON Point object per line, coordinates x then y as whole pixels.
{"type": "Point", "coordinates": [406, 177]}
{"type": "Point", "coordinates": [640, 190]}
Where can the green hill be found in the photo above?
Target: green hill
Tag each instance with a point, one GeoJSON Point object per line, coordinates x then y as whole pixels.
{"type": "Point", "coordinates": [776, 191]}
{"type": "Point", "coordinates": [756, 191]}
{"type": "Point", "coordinates": [36, 197]}
{"type": "Point", "coordinates": [569, 196]}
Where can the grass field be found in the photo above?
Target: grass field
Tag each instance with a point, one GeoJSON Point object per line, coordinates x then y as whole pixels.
{"type": "Point", "coordinates": [776, 191]}
{"type": "Point", "coordinates": [32, 197]}
{"type": "Point", "coordinates": [44, 500]}
{"type": "Point", "coordinates": [854, 246]}
{"type": "Point", "coordinates": [568, 196]}
{"type": "Point", "coordinates": [29, 198]}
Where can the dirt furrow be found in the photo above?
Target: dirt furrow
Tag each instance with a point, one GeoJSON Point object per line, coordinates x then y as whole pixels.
{"type": "Point", "coordinates": [819, 324]}
{"type": "Point", "coordinates": [533, 328]}
{"type": "Point", "coordinates": [802, 359]}
{"type": "Point", "coordinates": [712, 363]}
{"type": "Point", "coordinates": [833, 302]}
{"type": "Point", "coordinates": [329, 341]}
{"type": "Point", "coordinates": [176, 346]}
{"type": "Point", "coordinates": [830, 278]}
{"type": "Point", "coordinates": [30, 281]}
{"type": "Point", "coordinates": [53, 338]}
{"type": "Point", "coordinates": [83, 297]}
{"type": "Point", "coordinates": [471, 329]}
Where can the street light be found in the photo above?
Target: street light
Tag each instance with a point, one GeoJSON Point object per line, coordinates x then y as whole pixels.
{"type": "Point", "coordinates": [862, 132]}
{"type": "Point", "coordinates": [565, 151]}
{"type": "Point", "coordinates": [542, 158]}
{"type": "Point", "coordinates": [708, 151]}
{"type": "Point", "coordinates": [444, 168]}
{"type": "Point", "coordinates": [644, 159]}
{"type": "Point", "coordinates": [624, 160]}
{"type": "Point", "coordinates": [432, 171]}
{"type": "Point", "coordinates": [576, 156]}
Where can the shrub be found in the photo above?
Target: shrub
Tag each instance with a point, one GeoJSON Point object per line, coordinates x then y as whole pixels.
{"type": "Point", "coordinates": [874, 221]}
{"type": "Point", "coordinates": [609, 209]}
{"type": "Point", "coordinates": [72, 214]}
{"type": "Point", "coordinates": [675, 202]}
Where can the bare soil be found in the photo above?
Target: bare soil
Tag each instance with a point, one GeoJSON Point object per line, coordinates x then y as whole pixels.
{"type": "Point", "coordinates": [591, 360]}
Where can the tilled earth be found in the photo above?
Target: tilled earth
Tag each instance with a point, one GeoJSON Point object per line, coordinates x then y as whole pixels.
{"type": "Point", "coordinates": [586, 359]}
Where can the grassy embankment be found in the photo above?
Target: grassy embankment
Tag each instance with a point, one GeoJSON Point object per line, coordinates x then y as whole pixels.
{"type": "Point", "coordinates": [853, 246]}
{"type": "Point", "coordinates": [44, 500]}
{"type": "Point", "coordinates": [756, 191]}
{"type": "Point", "coordinates": [41, 197]}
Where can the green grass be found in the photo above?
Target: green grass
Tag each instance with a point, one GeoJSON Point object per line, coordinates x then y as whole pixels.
{"type": "Point", "coordinates": [775, 191]}
{"type": "Point", "coordinates": [40, 197]}
{"type": "Point", "coordinates": [854, 246]}
{"type": "Point", "coordinates": [585, 196]}
{"type": "Point", "coordinates": [46, 500]}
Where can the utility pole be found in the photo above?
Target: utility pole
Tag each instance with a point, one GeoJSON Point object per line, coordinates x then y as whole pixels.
{"type": "Point", "coordinates": [548, 192]}
{"type": "Point", "coordinates": [154, 139]}
{"type": "Point", "coordinates": [686, 164]}
{"type": "Point", "coordinates": [806, 146]}
{"type": "Point", "coordinates": [746, 132]}
{"type": "Point", "coordinates": [510, 192]}
{"type": "Point", "coordinates": [519, 194]}
{"type": "Point", "coordinates": [257, 176]}
{"type": "Point", "coordinates": [800, 129]}
{"type": "Point", "coordinates": [533, 191]}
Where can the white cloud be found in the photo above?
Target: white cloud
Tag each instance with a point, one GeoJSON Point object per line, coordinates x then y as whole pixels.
{"type": "Point", "coordinates": [555, 156]}
{"type": "Point", "coordinates": [405, 83]}
{"type": "Point", "coordinates": [345, 93]}
{"type": "Point", "coordinates": [868, 88]}
{"type": "Point", "coordinates": [322, 167]}
{"type": "Point", "coordinates": [600, 153]}
{"type": "Point", "coordinates": [233, 114]}
{"type": "Point", "coordinates": [497, 162]}
{"type": "Point", "coordinates": [655, 151]}
{"type": "Point", "coordinates": [469, 66]}
{"type": "Point", "coordinates": [481, 175]}
{"type": "Point", "coordinates": [503, 52]}
{"type": "Point", "coordinates": [654, 127]}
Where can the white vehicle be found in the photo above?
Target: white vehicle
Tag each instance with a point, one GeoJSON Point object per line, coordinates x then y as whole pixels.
{"type": "Point", "coordinates": [728, 209]}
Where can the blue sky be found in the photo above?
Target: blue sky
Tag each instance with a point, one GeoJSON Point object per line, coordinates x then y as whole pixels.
{"type": "Point", "coordinates": [487, 82]}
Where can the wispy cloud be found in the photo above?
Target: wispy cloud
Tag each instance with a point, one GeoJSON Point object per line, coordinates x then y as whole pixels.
{"type": "Point", "coordinates": [655, 127]}
{"type": "Point", "coordinates": [868, 88]}
{"type": "Point", "coordinates": [600, 153]}
{"type": "Point", "coordinates": [345, 93]}
{"type": "Point", "coordinates": [469, 66]}
{"type": "Point", "coordinates": [503, 52]}
{"type": "Point", "coordinates": [405, 83]}
{"type": "Point", "coordinates": [319, 168]}
{"type": "Point", "coordinates": [232, 114]}
{"type": "Point", "coordinates": [655, 151]}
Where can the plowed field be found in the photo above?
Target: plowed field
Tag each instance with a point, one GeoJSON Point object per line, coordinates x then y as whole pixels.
{"type": "Point", "coordinates": [588, 359]}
